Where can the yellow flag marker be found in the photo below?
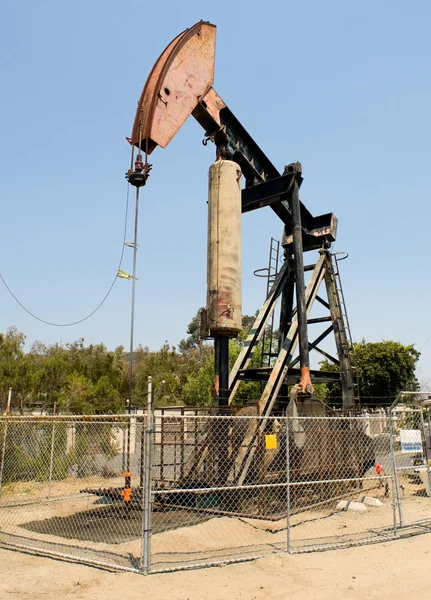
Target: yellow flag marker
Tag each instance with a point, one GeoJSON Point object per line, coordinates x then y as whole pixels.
{"type": "Point", "coordinates": [271, 441]}
{"type": "Point", "coordinates": [124, 275]}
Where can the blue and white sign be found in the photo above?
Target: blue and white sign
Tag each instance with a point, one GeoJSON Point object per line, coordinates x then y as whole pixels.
{"type": "Point", "coordinates": [411, 440]}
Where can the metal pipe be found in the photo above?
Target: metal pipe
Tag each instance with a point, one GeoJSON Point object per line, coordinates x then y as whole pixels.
{"type": "Point", "coordinates": [295, 511]}
{"type": "Point", "coordinates": [132, 316]}
{"type": "Point", "coordinates": [51, 459]}
{"type": "Point", "coordinates": [9, 400]}
{"type": "Point", "coordinates": [288, 486]}
{"type": "Point", "coordinates": [3, 452]}
{"type": "Point", "coordinates": [305, 382]}
{"type": "Point", "coordinates": [146, 492]}
{"type": "Point", "coordinates": [223, 399]}
{"type": "Point", "coordinates": [142, 457]}
{"type": "Point", "coordinates": [162, 444]}
{"type": "Point", "coordinates": [220, 429]}
{"type": "Point", "coordinates": [394, 481]}
{"type": "Point", "coordinates": [425, 449]}
{"type": "Point", "coordinates": [394, 468]}
{"type": "Point", "coordinates": [258, 486]}
{"type": "Point", "coordinates": [216, 389]}
{"type": "Point", "coordinates": [132, 325]}
{"type": "Point", "coordinates": [182, 447]}
{"type": "Point", "coordinates": [429, 428]}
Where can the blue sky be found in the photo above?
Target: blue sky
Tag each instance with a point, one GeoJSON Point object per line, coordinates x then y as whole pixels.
{"type": "Point", "coordinates": [342, 87]}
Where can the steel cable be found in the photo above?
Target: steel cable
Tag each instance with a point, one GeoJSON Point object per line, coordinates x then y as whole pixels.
{"type": "Point", "coordinates": [100, 303]}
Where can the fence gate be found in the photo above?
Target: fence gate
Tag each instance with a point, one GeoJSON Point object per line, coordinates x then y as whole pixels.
{"type": "Point", "coordinates": [205, 511]}
{"type": "Point", "coordinates": [411, 435]}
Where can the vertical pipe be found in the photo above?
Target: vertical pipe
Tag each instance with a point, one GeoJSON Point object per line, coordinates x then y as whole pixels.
{"type": "Point", "coordinates": [146, 491]}
{"type": "Point", "coordinates": [132, 312]}
{"type": "Point", "coordinates": [51, 460]}
{"type": "Point", "coordinates": [123, 456]}
{"type": "Point", "coordinates": [9, 400]}
{"type": "Point", "coordinates": [175, 455]}
{"type": "Point", "coordinates": [162, 444]}
{"type": "Point", "coordinates": [394, 470]}
{"type": "Point", "coordinates": [3, 453]}
{"type": "Point", "coordinates": [132, 326]}
{"type": "Point", "coordinates": [288, 484]}
{"type": "Point", "coordinates": [142, 459]}
{"type": "Point", "coordinates": [221, 425]}
{"type": "Point", "coordinates": [216, 390]}
{"type": "Point", "coordinates": [424, 441]}
{"type": "Point", "coordinates": [394, 483]}
{"type": "Point", "coordinates": [429, 428]}
{"type": "Point", "coordinates": [182, 447]}
{"type": "Point", "coordinates": [223, 399]}
{"type": "Point", "coordinates": [304, 355]}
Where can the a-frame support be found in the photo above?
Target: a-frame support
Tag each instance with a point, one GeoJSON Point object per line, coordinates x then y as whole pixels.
{"type": "Point", "coordinates": [322, 271]}
{"type": "Point", "coordinates": [283, 371]}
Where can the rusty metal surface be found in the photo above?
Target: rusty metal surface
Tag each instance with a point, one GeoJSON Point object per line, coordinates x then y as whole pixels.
{"type": "Point", "coordinates": [183, 74]}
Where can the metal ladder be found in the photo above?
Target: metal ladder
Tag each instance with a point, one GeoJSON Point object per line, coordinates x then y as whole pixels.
{"type": "Point", "coordinates": [344, 316]}
{"type": "Point", "coordinates": [341, 299]}
{"type": "Point", "coordinates": [271, 274]}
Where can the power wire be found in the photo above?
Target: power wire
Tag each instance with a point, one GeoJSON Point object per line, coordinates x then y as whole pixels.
{"type": "Point", "coordinates": [425, 344]}
{"type": "Point", "coordinates": [104, 298]}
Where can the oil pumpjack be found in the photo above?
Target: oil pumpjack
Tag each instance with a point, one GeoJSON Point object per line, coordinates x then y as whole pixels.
{"type": "Point", "coordinates": [180, 85]}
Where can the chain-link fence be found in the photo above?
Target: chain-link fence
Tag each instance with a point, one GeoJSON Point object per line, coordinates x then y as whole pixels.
{"type": "Point", "coordinates": [185, 489]}
{"type": "Point", "coordinates": [61, 480]}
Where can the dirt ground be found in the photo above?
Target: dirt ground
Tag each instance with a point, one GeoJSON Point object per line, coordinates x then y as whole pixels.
{"type": "Point", "coordinates": [386, 571]}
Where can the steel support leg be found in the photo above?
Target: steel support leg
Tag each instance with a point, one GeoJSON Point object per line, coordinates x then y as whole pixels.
{"type": "Point", "coordinates": [305, 385]}
{"type": "Point", "coordinates": [221, 425]}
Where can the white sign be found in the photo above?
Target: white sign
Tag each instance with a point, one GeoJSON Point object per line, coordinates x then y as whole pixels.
{"type": "Point", "coordinates": [411, 440]}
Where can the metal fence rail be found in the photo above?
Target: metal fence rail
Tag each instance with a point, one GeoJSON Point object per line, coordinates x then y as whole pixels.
{"type": "Point", "coordinates": [187, 489]}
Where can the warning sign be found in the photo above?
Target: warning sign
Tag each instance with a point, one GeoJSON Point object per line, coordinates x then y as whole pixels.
{"type": "Point", "coordinates": [271, 441]}
{"type": "Point", "coordinates": [411, 440]}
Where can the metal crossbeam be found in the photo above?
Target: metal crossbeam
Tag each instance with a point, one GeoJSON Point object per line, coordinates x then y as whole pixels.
{"type": "Point", "coordinates": [279, 371]}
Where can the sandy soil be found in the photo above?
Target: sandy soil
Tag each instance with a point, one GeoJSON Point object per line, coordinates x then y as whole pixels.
{"type": "Point", "coordinates": [387, 571]}
{"type": "Point", "coordinates": [81, 528]}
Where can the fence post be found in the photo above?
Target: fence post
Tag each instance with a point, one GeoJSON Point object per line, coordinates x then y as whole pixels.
{"type": "Point", "coordinates": [424, 440]}
{"type": "Point", "coordinates": [9, 400]}
{"type": "Point", "coordinates": [395, 474]}
{"type": "Point", "coordinates": [3, 452]}
{"type": "Point", "coordinates": [429, 424]}
{"type": "Point", "coordinates": [288, 485]}
{"type": "Point", "coordinates": [51, 459]}
{"type": "Point", "coordinates": [146, 488]}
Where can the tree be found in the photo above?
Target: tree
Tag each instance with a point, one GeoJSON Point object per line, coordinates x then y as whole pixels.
{"type": "Point", "coordinates": [13, 367]}
{"type": "Point", "coordinates": [194, 331]}
{"type": "Point", "coordinates": [384, 369]}
{"type": "Point", "coordinates": [198, 387]}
